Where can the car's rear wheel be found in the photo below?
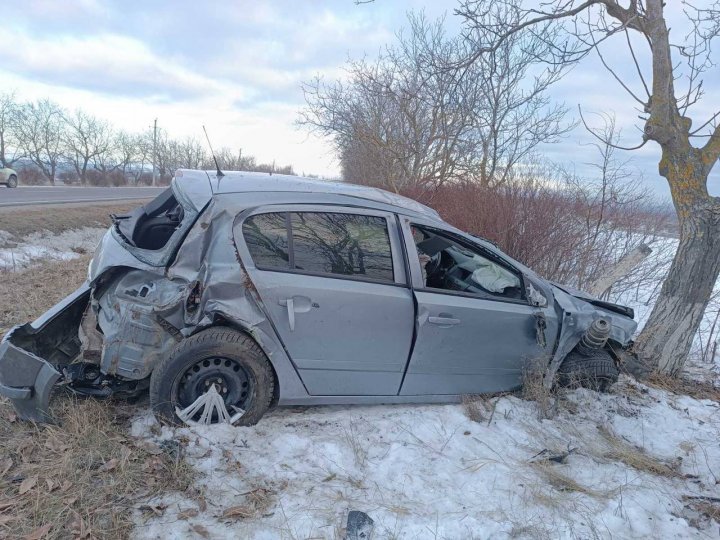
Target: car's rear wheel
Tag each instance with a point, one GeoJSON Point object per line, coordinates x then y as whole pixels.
{"type": "Point", "coordinates": [217, 375]}
{"type": "Point", "coordinates": [12, 181]}
{"type": "Point", "coordinates": [590, 368]}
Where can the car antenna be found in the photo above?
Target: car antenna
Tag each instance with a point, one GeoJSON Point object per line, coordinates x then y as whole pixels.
{"type": "Point", "coordinates": [220, 174]}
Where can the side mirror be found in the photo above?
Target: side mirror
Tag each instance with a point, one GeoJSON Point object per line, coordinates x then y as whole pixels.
{"type": "Point", "coordinates": [534, 295]}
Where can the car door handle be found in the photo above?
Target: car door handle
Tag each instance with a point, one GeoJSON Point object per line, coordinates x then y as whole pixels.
{"type": "Point", "coordinates": [443, 320]}
{"type": "Point", "coordinates": [290, 303]}
{"type": "Point", "coordinates": [296, 304]}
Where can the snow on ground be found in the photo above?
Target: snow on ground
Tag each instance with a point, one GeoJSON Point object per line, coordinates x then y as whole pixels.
{"type": "Point", "coordinates": [431, 472]}
{"type": "Point", "coordinates": [46, 245]}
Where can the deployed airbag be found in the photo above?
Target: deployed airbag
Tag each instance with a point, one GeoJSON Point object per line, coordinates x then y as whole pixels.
{"type": "Point", "coordinates": [493, 277]}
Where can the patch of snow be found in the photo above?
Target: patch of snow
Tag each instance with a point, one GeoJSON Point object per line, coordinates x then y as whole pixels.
{"type": "Point", "coordinates": [46, 245]}
{"type": "Point", "coordinates": [428, 471]}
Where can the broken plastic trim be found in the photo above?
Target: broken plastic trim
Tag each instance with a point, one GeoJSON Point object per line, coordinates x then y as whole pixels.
{"type": "Point", "coordinates": [212, 408]}
{"type": "Point", "coordinates": [27, 381]}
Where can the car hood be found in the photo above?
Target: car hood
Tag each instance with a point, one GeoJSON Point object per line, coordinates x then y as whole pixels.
{"type": "Point", "coordinates": [594, 300]}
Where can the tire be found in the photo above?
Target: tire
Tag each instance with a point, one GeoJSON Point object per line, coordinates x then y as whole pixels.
{"type": "Point", "coordinates": [590, 368]}
{"type": "Point", "coordinates": [169, 387]}
{"type": "Point", "coordinates": [12, 182]}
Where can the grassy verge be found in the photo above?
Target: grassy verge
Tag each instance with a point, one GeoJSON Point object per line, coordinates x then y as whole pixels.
{"type": "Point", "coordinates": [82, 477]}
{"type": "Point", "coordinates": [20, 222]}
{"type": "Point", "coordinates": [28, 293]}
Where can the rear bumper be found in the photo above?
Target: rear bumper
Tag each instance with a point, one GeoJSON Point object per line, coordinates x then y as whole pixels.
{"type": "Point", "coordinates": [32, 355]}
{"type": "Point", "coordinates": [27, 380]}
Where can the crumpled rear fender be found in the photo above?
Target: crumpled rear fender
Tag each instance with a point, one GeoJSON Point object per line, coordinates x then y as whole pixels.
{"type": "Point", "coordinates": [31, 354]}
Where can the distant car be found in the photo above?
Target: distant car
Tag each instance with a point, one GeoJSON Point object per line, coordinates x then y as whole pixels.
{"type": "Point", "coordinates": [227, 294]}
{"type": "Point", "coordinates": [8, 177]}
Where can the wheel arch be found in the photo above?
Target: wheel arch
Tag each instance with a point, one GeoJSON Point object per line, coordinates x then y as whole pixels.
{"type": "Point", "coordinates": [223, 322]}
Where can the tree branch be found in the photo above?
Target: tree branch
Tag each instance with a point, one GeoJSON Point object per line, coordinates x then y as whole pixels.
{"type": "Point", "coordinates": [606, 141]}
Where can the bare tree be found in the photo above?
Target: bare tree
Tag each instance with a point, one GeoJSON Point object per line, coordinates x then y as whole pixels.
{"type": "Point", "coordinates": [400, 121]}
{"type": "Point", "coordinates": [128, 150]}
{"type": "Point", "coordinates": [190, 154]}
{"type": "Point", "coordinates": [419, 117]}
{"type": "Point", "coordinates": [688, 152]}
{"type": "Point", "coordinates": [40, 129]}
{"type": "Point", "coordinates": [86, 139]}
{"type": "Point", "coordinates": [9, 147]}
{"type": "Point", "coordinates": [141, 148]}
{"type": "Point", "coordinates": [512, 81]}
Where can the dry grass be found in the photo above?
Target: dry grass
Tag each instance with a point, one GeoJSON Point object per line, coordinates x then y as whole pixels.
{"type": "Point", "coordinates": [28, 293]}
{"type": "Point", "coordinates": [81, 478]}
{"type": "Point", "coordinates": [701, 511]}
{"type": "Point", "coordinates": [705, 389]}
{"type": "Point", "coordinates": [617, 449]}
{"type": "Point", "coordinates": [533, 389]}
{"type": "Point", "coordinates": [22, 221]}
{"type": "Point", "coordinates": [560, 481]}
{"type": "Point", "coordinates": [257, 502]}
{"type": "Point", "coordinates": [480, 408]}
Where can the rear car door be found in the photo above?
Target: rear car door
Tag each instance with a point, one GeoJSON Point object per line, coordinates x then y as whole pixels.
{"type": "Point", "coordinates": [332, 281]}
{"type": "Point", "coordinates": [475, 329]}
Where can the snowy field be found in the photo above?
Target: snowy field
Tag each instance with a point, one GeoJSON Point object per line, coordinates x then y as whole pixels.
{"type": "Point", "coordinates": [636, 463]}
{"type": "Point", "coordinates": [47, 246]}
{"type": "Point", "coordinates": [624, 465]}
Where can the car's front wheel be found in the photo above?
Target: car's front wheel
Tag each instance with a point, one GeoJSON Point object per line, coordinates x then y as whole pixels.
{"type": "Point", "coordinates": [12, 182]}
{"type": "Point", "coordinates": [217, 375]}
{"type": "Point", "coordinates": [590, 368]}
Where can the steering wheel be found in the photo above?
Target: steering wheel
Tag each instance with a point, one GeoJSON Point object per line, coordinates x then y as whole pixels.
{"type": "Point", "coordinates": [432, 267]}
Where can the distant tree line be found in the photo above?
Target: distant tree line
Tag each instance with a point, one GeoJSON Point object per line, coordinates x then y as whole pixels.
{"type": "Point", "coordinates": [47, 143]}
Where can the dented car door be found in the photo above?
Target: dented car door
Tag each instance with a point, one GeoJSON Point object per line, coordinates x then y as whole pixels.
{"type": "Point", "coordinates": [476, 330]}
{"type": "Point", "coordinates": [332, 282]}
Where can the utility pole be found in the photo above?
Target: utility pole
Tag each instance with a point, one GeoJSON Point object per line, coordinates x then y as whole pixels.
{"type": "Point", "coordinates": [154, 159]}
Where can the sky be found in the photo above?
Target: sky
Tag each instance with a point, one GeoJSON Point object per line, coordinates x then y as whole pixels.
{"type": "Point", "coordinates": [236, 66]}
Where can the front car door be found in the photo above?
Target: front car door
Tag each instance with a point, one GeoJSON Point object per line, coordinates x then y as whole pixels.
{"type": "Point", "coordinates": [333, 283]}
{"type": "Point", "coordinates": [476, 331]}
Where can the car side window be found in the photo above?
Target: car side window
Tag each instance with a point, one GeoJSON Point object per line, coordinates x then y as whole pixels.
{"type": "Point", "coordinates": [330, 243]}
{"type": "Point", "coordinates": [344, 244]}
{"type": "Point", "coordinates": [266, 237]}
{"type": "Point", "coordinates": [447, 264]}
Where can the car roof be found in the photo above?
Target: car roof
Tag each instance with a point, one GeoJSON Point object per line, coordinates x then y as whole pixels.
{"type": "Point", "coordinates": [200, 186]}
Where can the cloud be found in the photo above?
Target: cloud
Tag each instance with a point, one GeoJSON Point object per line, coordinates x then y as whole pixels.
{"type": "Point", "coordinates": [107, 63]}
{"type": "Point", "coordinates": [237, 65]}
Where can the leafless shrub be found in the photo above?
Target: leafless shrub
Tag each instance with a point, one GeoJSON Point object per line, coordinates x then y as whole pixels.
{"type": "Point", "coordinates": [568, 230]}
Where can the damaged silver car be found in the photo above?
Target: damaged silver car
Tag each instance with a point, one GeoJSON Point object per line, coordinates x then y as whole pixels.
{"type": "Point", "coordinates": [228, 294]}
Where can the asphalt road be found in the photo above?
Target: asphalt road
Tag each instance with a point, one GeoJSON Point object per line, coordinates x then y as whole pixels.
{"type": "Point", "coordinates": [30, 196]}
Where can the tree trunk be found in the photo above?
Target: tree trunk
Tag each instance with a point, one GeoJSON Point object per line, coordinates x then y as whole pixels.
{"type": "Point", "coordinates": [666, 340]}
